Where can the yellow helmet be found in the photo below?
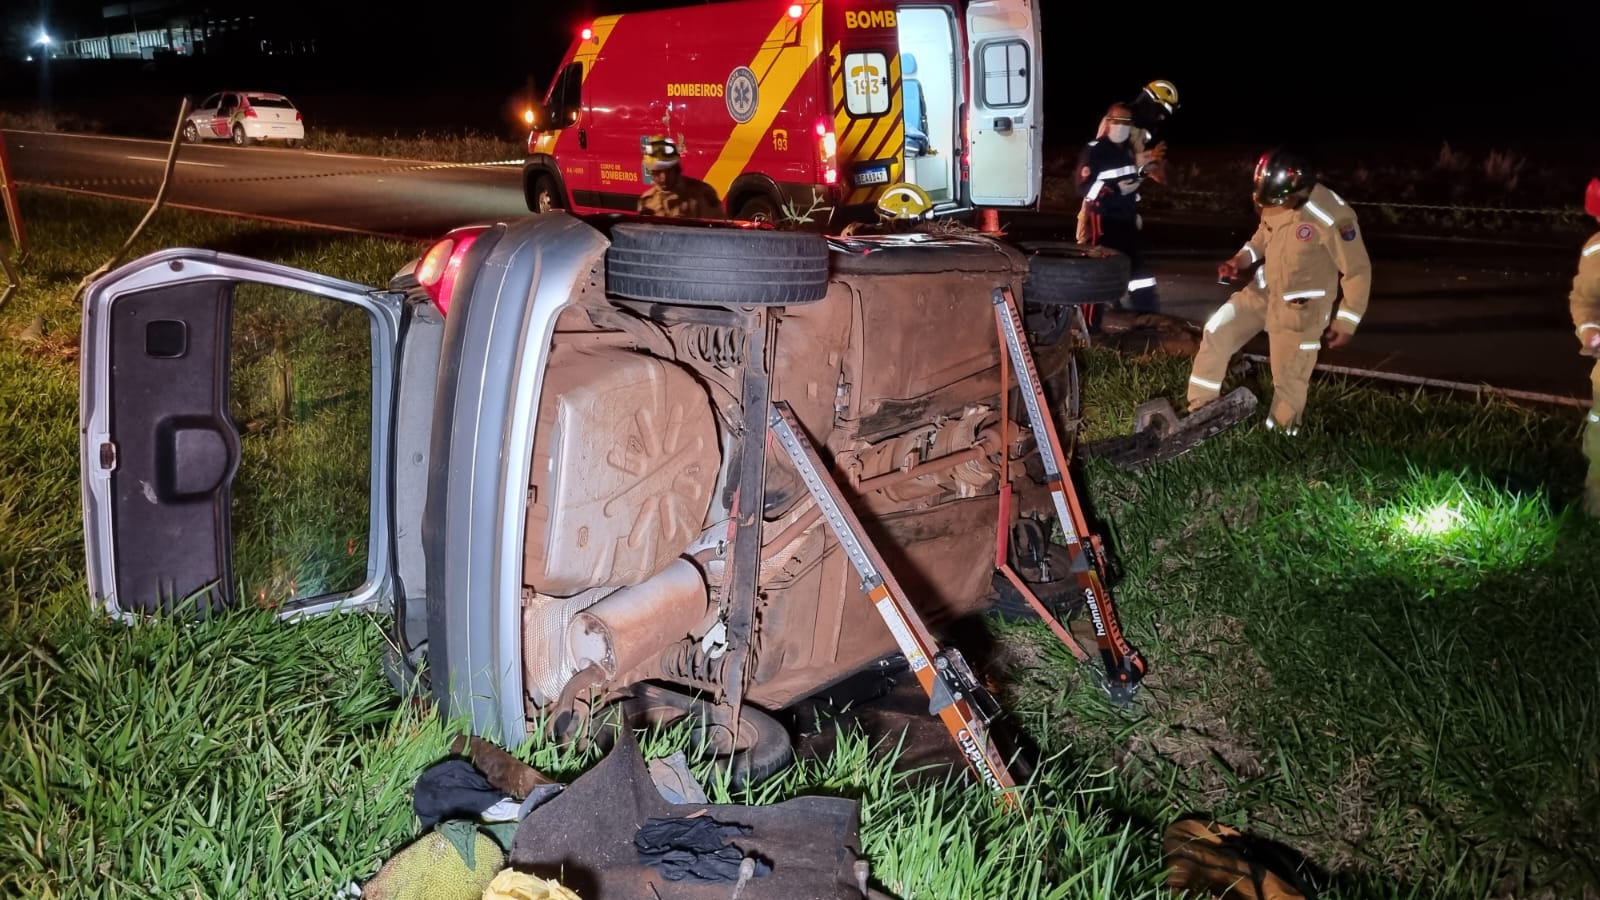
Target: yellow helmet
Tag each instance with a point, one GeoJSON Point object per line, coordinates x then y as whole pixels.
{"type": "Point", "coordinates": [660, 153]}
{"type": "Point", "coordinates": [1164, 93]}
{"type": "Point", "coordinates": [904, 202]}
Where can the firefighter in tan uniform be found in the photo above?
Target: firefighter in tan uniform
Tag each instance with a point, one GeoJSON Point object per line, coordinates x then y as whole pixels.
{"type": "Point", "coordinates": [1305, 250]}
{"type": "Point", "coordinates": [671, 192]}
{"type": "Point", "coordinates": [1585, 303]}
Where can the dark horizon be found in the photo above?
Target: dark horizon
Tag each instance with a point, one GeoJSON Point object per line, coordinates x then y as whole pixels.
{"type": "Point", "coordinates": [1497, 83]}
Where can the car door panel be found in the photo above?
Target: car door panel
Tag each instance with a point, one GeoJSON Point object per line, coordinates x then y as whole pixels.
{"type": "Point", "coordinates": [177, 394]}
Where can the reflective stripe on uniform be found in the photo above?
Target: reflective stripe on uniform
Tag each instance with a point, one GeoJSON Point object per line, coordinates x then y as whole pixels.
{"type": "Point", "coordinates": [1337, 199]}
{"type": "Point", "coordinates": [1221, 317]}
{"type": "Point", "coordinates": [1589, 325]}
{"type": "Point", "coordinates": [1273, 426]}
{"type": "Point", "coordinates": [1316, 210]}
{"type": "Point", "coordinates": [1114, 174]}
{"type": "Point", "coordinates": [1591, 250]}
{"type": "Point", "coordinates": [1311, 345]}
{"type": "Point", "coordinates": [1349, 316]}
{"type": "Point", "coordinates": [1253, 257]}
{"type": "Point", "coordinates": [1594, 416]}
{"type": "Point", "coordinates": [1197, 381]}
{"type": "Point", "coordinates": [1094, 190]}
{"type": "Point", "coordinates": [1261, 278]}
{"type": "Point", "coordinates": [1141, 283]}
{"type": "Point", "coordinates": [1304, 295]}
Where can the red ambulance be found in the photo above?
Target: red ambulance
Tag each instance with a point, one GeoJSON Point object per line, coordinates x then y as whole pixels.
{"type": "Point", "coordinates": [787, 106]}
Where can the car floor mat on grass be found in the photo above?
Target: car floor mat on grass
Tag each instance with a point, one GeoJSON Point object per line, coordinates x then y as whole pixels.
{"type": "Point", "coordinates": [1141, 448]}
{"type": "Point", "coordinates": [584, 837]}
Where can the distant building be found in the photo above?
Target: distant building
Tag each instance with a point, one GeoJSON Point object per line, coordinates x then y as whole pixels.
{"type": "Point", "coordinates": [148, 29]}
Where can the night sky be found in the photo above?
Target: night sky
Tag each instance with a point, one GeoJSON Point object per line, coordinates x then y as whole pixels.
{"type": "Point", "coordinates": [1247, 72]}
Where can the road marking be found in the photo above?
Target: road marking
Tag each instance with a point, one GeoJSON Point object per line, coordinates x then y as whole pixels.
{"type": "Point", "coordinates": [181, 162]}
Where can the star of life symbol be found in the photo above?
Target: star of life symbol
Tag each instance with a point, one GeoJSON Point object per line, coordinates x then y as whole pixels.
{"type": "Point", "coordinates": [741, 94]}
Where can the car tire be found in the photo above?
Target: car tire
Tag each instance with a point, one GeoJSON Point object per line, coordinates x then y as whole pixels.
{"type": "Point", "coordinates": [762, 750]}
{"type": "Point", "coordinates": [716, 266]}
{"type": "Point", "coordinates": [240, 139]}
{"type": "Point", "coordinates": [1074, 274]}
{"type": "Point", "coordinates": [191, 134]}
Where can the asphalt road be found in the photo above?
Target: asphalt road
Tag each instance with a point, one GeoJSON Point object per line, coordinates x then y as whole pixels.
{"type": "Point", "coordinates": [1492, 314]}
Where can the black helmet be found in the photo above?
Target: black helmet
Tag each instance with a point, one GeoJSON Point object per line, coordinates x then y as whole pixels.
{"type": "Point", "coordinates": [1283, 175]}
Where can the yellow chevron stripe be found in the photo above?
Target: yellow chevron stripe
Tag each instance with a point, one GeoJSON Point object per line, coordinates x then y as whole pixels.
{"type": "Point", "coordinates": [888, 136]}
{"type": "Point", "coordinates": [785, 62]}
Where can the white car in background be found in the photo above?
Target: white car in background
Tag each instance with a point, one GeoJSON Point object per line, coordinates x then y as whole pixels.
{"type": "Point", "coordinates": [245, 117]}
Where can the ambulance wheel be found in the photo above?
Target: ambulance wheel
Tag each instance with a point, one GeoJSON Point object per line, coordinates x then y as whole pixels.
{"type": "Point", "coordinates": [759, 208]}
{"type": "Point", "coordinates": [1065, 273]}
{"type": "Point", "coordinates": [544, 197]}
{"type": "Point", "coordinates": [716, 266]}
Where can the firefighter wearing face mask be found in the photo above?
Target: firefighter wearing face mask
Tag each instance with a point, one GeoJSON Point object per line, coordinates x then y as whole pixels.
{"type": "Point", "coordinates": [1306, 250]}
{"type": "Point", "coordinates": [1109, 181]}
{"type": "Point", "coordinates": [1585, 304]}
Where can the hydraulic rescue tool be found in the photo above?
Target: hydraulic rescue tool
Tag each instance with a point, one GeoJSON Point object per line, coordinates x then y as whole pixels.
{"type": "Point", "coordinates": [1124, 666]}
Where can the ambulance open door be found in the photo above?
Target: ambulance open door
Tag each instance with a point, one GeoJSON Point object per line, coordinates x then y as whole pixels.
{"type": "Point", "coordinates": [1005, 112]}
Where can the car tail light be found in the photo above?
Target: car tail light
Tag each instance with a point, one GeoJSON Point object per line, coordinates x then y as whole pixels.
{"type": "Point", "coordinates": [250, 113]}
{"type": "Point", "coordinates": [827, 152]}
{"type": "Point", "coordinates": [441, 265]}
{"type": "Point", "coordinates": [297, 115]}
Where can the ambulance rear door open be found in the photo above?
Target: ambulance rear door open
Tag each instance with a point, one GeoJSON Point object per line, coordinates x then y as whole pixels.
{"type": "Point", "coordinates": [930, 96]}
{"type": "Point", "coordinates": [1005, 114]}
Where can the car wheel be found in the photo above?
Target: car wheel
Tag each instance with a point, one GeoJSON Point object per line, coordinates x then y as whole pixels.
{"type": "Point", "coordinates": [191, 134]}
{"type": "Point", "coordinates": [762, 748]}
{"type": "Point", "coordinates": [240, 139]}
{"type": "Point", "coordinates": [716, 266]}
{"type": "Point", "coordinates": [1066, 273]}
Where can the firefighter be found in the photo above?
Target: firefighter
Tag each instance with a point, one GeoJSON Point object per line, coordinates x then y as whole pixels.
{"type": "Point", "coordinates": [1156, 103]}
{"type": "Point", "coordinates": [671, 192]}
{"type": "Point", "coordinates": [1585, 303]}
{"type": "Point", "coordinates": [1306, 249]}
{"type": "Point", "coordinates": [1109, 181]}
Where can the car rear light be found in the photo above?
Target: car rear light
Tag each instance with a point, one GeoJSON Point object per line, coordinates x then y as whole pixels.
{"type": "Point", "coordinates": [250, 113]}
{"type": "Point", "coordinates": [827, 152]}
{"type": "Point", "coordinates": [441, 265]}
{"type": "Point", "coordinates": [297, 115]}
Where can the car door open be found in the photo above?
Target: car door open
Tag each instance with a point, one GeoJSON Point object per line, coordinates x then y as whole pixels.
{"type": "Point", "coordinates": [235, 426]}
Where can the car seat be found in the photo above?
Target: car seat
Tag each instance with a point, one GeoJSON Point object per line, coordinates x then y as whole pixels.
{"type": "Point", "coordinates": [916, 108]}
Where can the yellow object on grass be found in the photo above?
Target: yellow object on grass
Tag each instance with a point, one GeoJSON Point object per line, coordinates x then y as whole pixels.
{"type": "Point", "coordinates": [513, 885]}
{"type": "Point", "coordinates": [433, 867]}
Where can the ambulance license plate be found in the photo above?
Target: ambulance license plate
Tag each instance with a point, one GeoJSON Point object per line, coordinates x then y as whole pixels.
{"type": "Point", "coordinates": [879, 175]}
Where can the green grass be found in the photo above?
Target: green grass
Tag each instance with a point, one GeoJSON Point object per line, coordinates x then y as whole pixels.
{"type": "Point", "coordinates": [246, 757]}
{"type": "Point", "coordinates": [1373, 642]}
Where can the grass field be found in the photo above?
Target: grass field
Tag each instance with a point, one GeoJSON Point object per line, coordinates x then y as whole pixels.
{"type": "Point", "coordinates": [1372, 643]}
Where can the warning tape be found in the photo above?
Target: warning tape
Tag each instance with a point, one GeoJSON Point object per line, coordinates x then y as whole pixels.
{"type": "Point", "coordinates": [1440, 207]}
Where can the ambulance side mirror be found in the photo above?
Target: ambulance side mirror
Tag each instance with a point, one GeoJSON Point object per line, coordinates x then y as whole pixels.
{"type": "Point", "coordinates": [536, 116]}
